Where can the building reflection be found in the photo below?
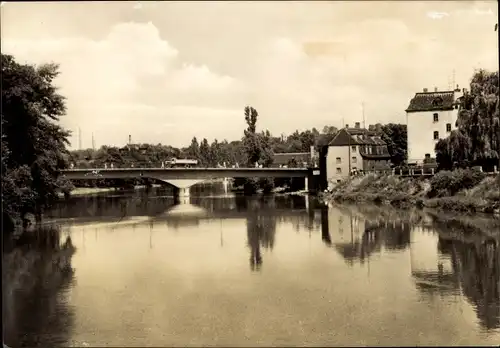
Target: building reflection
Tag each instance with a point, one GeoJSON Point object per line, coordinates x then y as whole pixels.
{"type": "Point", "coordinates": [356, 238]}
{"type": "Point", "coordinates": [35, 308]}
{"type": "Point", "coordinates": [453, 267]}
{"type": "Point", "coordinates": [475, 272]}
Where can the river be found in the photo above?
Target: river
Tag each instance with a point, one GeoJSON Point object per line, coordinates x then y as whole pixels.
{"type": "Point", "coordinates": [225, 270]}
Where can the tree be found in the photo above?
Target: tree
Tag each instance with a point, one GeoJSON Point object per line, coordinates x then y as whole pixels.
{"type": "Point", "coordinates": [193, 151]}
{"type": "Point", "coordinates": [453, 151]}
{"type": "Point", "coordinates": [205, 159]}
{"type": "Point", "coordinates": [396, 137]}
{"type": "Point", "coordinates": [34, 142]}
{"type": "Point", "coordinates": [477, 141]}
{"type": "Point", "coordinates": [251, 141]}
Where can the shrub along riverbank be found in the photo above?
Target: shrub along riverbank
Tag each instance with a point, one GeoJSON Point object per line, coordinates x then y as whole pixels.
{"type": "Point", "coordinates": [459, 190]}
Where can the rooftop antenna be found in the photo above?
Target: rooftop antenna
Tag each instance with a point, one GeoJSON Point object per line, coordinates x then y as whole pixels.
{"type": "Point", "coordinates": [79, 138]}
{"type": "Point", "coordinates": [453, 80]}
{"type": "Point", "coordinates": [363, 111]}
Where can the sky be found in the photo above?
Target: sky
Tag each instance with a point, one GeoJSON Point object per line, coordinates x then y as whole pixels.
{"type": "Point", "coordinates": [164, 72]}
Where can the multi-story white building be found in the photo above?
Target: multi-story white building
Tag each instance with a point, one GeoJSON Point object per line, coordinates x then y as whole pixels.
{"type": "Point", "coordinates": [429, 117]}
{"type": "Point", "coordinates": [354, 150]}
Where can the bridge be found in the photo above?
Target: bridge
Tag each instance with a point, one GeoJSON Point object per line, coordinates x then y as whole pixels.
{"type": "Point", "coordinates": [184, 178]}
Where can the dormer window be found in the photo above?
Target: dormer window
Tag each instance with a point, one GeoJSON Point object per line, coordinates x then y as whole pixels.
{"type": "Point", "coordinates": [436, 117]}
{"type": "Point", "coordinates": [437, 101]}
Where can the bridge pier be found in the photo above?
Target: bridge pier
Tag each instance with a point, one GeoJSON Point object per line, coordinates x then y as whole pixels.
{"type": "Point", "coordinates": [181, 192]}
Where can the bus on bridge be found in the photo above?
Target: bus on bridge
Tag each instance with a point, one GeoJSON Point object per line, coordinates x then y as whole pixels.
{"type": "Point", "coordinates": [179, 163]}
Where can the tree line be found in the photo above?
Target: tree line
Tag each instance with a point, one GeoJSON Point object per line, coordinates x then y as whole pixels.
{"type": "Point", "coordinates": [211, 154]}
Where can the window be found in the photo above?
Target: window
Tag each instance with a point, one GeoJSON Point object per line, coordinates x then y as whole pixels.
{"type": "Point", "coordinates": [354, 159]}
{"type": "Point", "coordinates": [339, 160]}
{"type": "Point", "coordinates": [339, 170]}
{"type": "Point", "coordinates": [436, 117]}
{"type": "Point", "coordinates": [448, 127]}
{"type": "Point", "coordinates": [436, 135]}
{"type": "Point", "coordinates": [354, 168]}
{"type": "Point", "coordinates": [353, 148]}
{"type": "Point", "coordinates": [338, 181]}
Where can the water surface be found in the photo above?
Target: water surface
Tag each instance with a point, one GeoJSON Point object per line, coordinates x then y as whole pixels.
{"type": "Point", "coordinates": [235, 271]}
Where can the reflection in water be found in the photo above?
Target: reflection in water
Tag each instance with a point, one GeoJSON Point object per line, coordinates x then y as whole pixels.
{"type": "Point", "coordinates": [261, 230]}
{"type": "Point", "coordinates": [178, 275]}
{"type": "Point", "coordinates": [476, 268]}
{"type": "Point", "coordinates": [36, 278]}
{"type": "Point", "coordinates": [357, 238]}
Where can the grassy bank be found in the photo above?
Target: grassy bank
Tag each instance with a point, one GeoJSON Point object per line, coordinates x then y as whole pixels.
{"type": "Point", "coordinates": [79, 191]}
{"type": "Point", "coordinates": [460, 190]}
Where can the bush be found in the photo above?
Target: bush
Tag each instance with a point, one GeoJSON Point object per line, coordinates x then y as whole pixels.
{"type": "Point", "coordinates": [250, 186]}
{"type": "Point", "coordinates": [448, 183]}
{"type": "Point", "coordinates": [266, 184]}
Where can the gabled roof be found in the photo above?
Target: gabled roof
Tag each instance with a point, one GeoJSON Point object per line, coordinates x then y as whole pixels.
{"type": "Point", "coordinates": [432, 101]}
{"type": "Point", "coordinates": [356, 136]}
{"type": "Point", "coordinates": [344, 137]}
{"type": "Point", "coordinates": [362, 136]}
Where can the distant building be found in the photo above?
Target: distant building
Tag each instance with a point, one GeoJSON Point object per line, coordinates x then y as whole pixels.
{"type": "Point", "coordinates": [283, 159]}
{"type": "Point", "coordinates": [353, 150]}
{"type": "Point", "coordinates": [429, 117]}
{"type": "Point", "coordinates": [302, 159]}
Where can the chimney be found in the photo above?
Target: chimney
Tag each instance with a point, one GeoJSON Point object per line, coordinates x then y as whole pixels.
{"type": "Point", "coordinates": [435, 89]}
{"type": "Point", "coordinates": [425, 90]}
{"type": "Point", "coordinates": [130, 139]}
{"type": "Point", "coordinates": [357, 125]}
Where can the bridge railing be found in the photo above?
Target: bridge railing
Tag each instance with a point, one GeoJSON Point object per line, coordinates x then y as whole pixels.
{"type": "Point", "coordinates": [411, 172]}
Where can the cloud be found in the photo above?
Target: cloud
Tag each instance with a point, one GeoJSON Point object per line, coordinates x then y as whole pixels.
{"type": "Point", "coordinates": [138, 5]}
{"type": "Point", "coordinates": [301, 66]}
{"type": "Point", "coordinates": [194, 79]}
{"type": "Point", "coordinates": [437, 15]}
{"type": "Point", "coordinates": [379, 61]}
{"type": "Point", "coordinates": [128, 77]}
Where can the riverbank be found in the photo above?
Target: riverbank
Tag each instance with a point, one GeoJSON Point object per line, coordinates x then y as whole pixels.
{"type": "Point", "coordinates": [461, 191]}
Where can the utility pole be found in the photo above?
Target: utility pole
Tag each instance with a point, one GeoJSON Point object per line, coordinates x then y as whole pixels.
{"type": "Point", "coordinates": [93, 142]}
